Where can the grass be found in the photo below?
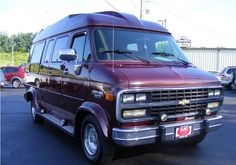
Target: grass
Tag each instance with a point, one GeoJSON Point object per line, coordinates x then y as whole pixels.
{"type": "Point", "coordinates": [18, 58]}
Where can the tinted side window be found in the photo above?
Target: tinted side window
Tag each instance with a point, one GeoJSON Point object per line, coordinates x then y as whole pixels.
{"type": "Point", "coordinates": [38, 50]}
{"type": "Point", "coordinates": [60, 44]}
{"type": "Point", "coordinates": [49, 51]}
{"type": "Point", "coordinates": [229, 71]}
{"type": "Point", "coordinates": [78, 45]}
{"type": "Point", "coordinates": [15, 69]}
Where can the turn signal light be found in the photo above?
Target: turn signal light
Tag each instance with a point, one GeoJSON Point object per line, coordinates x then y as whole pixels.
{"type": "Point", "coordinates": [109, 97]}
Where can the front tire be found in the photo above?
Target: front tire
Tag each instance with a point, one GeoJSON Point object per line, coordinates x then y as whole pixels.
{"type": "Point", "coordinates": [95, 146]}
{"type": "Point", "coordinates": [16, 83]}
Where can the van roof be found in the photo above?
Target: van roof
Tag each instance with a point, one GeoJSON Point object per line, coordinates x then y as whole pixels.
{"type": "Point", "coordinates": [106, 18]}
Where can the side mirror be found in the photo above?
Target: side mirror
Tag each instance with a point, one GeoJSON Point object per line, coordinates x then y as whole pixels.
{"type": "Point", "coordinates": [67, 55]}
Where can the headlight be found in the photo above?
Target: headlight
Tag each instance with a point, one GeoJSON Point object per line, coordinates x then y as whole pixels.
{"type": "Point", "coordinates": [134, 113]}
{"type": "Point", "coordinates": [141, 97]}
{"type": "Point", "coordinates": [216, 92]}
{"type": "Point", "coordinates": [213, 105]}
{"type": "Point", "coordinates": [211, 93]}
{"type": "Point", "coordinates": [128, 98]}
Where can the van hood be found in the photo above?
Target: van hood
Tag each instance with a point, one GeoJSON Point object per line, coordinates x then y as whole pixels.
{"type": "Point", "coordinates": [167, 76]}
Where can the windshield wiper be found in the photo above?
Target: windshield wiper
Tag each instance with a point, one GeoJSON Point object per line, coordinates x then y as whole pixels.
{"type": "Point", "coordinates": [117, 51]}
{"type": "Point", "coordinates": [169, 54]}
{"type": "Point", "coordinates": [127, 54]}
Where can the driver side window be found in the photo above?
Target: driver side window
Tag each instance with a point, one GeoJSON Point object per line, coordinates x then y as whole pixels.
{"type": "Point", "coordinates": [78, 45]}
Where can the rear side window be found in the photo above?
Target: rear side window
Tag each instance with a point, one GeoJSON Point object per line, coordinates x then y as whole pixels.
{"type": "Point", "coordinates": [10, 70]}
{"type": "Point", "coordinates": [49, 51]}
{"type": "Point", "coordinates": [14, 69]}
{"type": "Point", "coordinates": [38, 50]}
{"type": "Point", "coordinates": [60, 44]}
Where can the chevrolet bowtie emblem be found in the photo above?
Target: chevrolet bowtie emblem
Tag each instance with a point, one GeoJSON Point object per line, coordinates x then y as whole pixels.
{"type": "Point", "coordinates": [184, 102]}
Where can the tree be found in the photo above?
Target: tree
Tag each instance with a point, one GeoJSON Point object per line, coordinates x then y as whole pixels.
{"type": "Point", "coordinates": [4, 42]}
{"type": "Point", "coordinates": [21, 41]}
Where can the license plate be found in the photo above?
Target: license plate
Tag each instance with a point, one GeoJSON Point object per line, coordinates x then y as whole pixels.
{"type": "Point", "coordinates": [183, 131]}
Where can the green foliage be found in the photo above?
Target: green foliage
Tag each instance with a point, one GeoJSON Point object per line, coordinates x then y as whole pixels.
{"type": "Point", "coordinates": [4, 43]}
{"type": "Point", "coordinates": [21, 42]}
{"type": "Point", "coordinates": [18, 58]}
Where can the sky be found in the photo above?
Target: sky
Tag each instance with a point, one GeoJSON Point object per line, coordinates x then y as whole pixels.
{"type": "Point", "coordinates": [207, 23]}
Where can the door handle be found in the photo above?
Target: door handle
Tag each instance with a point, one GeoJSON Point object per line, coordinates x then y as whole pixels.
{"type": "Point", "coordinates": [65, 72]}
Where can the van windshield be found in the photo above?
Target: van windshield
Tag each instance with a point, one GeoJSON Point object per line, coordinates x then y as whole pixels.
{"type": "Point", "coordinates": [131, 45]}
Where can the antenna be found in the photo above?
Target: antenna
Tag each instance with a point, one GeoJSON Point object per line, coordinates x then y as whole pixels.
{"type": "Point", "coordinates": [113, 44]}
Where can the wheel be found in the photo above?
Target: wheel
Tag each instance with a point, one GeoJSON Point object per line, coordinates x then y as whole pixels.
{"type": "Point", "coordinates": [96, 148]}
{"type": "Point", "coordinates": [16, 83]}
{"type": "Point", "coordinates": [36, 118]}
{"type": "Point", "coordinates": [192, 140]}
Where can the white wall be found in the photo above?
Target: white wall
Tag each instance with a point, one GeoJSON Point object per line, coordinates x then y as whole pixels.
{"type": "Point", "coordinates": [211, 59]}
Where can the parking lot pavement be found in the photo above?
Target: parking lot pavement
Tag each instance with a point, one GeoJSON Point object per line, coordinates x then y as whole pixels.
{"type": "Point", "coordinates": [24, 142]}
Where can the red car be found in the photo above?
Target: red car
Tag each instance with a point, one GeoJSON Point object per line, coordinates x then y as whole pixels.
{"type": "Point", "coordinates": [14, 75]}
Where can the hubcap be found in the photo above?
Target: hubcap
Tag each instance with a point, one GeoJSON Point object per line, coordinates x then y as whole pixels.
{"type": "Point", "coordinates": [90, 139]}
{"type": "Point", "coordinates": [16, 84]}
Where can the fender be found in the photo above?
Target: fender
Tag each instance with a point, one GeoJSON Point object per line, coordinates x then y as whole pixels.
{"type": "Point", "coordinates": [18, 78]}
{"type": "Point", "coordinates": [98, 112]}
{"type": "Point", "coordinates": [31, 95]}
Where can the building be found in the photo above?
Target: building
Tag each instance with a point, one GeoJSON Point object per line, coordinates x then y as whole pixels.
{"type": "Point", "coordinates": [211, 59]}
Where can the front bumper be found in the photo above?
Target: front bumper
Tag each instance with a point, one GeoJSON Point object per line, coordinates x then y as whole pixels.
{"type": "Point", "coordinates": [162, 133]}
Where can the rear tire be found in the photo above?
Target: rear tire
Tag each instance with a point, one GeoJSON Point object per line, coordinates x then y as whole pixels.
{"type": "Point", "coordinates": [96, 147]}
{"type": "Point", "coordinates": [36, 118]}
{"type": "Point", "coordinates": [192, 141]}
{"type": "Point", "coordinates": [16, 83]}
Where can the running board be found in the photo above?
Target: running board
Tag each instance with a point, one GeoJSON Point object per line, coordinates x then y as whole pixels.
{"type": "Point", "coordinates": [58, 123]}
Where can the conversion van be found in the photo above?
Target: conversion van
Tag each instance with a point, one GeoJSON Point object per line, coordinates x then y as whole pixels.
{"type": "Point", "coordinates": [113, 80]}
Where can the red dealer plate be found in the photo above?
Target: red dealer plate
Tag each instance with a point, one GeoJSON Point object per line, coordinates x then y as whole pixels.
{"type": "Point", "coordinates": [183, 131]}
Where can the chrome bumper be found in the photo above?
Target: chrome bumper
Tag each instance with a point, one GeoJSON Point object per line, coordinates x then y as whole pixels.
{"type": "Point", "coordinates": [162, 133]}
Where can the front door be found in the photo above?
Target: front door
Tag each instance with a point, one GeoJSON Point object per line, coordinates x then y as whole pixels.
{"type": "Point", "coordinates": [76, 76]}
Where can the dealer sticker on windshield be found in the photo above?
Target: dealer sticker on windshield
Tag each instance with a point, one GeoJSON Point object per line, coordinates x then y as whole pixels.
{"type": "Point", "coordinates": [183, 131]}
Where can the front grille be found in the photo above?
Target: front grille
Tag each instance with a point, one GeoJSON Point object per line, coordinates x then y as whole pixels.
{"type": "Point", "coordinates": [173, 95]}
{"type": "Point", "coordinates": [186, 110]}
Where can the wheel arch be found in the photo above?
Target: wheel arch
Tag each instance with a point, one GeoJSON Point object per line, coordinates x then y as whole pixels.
{"type": "Point", "coordinates": [15, 78]}
{"type": "Point", "coordinates": [30, 94]}
{"type": "Point", "coordinates": [90, 108]}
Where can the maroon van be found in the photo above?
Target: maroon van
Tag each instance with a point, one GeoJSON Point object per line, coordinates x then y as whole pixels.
{"type": "Point", "coordinates": [113, 80]}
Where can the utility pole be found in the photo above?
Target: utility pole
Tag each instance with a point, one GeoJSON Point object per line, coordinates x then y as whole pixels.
{"type": "Point", "coordinates": [141, 9]}
{"type": "Point", "coordinates": [12, 52]}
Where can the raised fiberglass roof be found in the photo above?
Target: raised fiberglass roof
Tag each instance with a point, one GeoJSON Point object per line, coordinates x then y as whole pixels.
{"type": "Point", "coordinates": [108, 18]}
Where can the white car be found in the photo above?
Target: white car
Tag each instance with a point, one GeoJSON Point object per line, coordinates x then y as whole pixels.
{"type": "Point", "coordinates": [226, 76]}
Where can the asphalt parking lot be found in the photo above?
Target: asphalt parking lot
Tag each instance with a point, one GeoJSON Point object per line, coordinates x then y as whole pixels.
{"type": "Point", "coordinates": [24, 142]}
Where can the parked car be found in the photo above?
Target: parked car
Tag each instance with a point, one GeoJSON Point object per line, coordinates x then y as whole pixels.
{"type": "Point", "coordinates": [2, 79]}
{"type": "Point", "coordinates": [14, 75]}
{"type": "Point", "coordinates": [226, 76]}
{"type": "Point", "coordinates": [112, 80]}
{"type": "Point", "coordinates": [233, 80]}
